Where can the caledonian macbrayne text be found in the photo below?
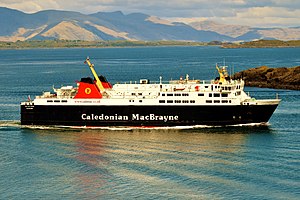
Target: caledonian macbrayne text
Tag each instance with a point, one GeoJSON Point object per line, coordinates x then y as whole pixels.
{"type": "Point", "coordinates": [133, 117]}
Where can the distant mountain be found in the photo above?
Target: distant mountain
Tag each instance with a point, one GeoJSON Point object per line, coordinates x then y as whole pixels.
{"type": "Point", "coordinates": [53, 24]}
{"type": "Point", "coordinates": [247, 33]}
{"type": "Point", "coordinates": [229, 30]}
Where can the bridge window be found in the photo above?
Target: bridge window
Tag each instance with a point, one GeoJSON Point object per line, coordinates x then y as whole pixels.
{"type": "Point", "coordinates": [224, 95]}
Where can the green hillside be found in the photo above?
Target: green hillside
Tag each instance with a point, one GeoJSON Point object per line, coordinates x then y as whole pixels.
{"type": "Point", "coordinates": [263, 44]}
{"type": "Point", "coordinates": [90, 44]}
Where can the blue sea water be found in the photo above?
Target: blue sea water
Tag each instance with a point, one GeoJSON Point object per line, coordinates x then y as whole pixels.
{"type": "Point", "coordinates": [205, 163]}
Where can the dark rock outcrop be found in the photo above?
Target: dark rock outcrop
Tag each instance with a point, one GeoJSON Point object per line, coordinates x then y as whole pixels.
{"type": "Point", "coordinates": [265, 77]}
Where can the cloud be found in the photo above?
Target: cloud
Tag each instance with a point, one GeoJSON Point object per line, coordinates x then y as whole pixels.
{"type": "Point", "coordinates": [29, 6]}
{"type": "Point", "coordinates": [261, 12]}
{"type": "Point", "coordinates": [270, 12]}
{"type": "Point", "coordinates": [267, 16]}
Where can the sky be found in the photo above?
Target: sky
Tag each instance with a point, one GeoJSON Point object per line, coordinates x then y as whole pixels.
{"type": "Point", "coordinates": [255, 13]}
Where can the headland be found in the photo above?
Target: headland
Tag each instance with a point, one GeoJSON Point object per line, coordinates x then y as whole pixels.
{"type": "Point", "coordinates": [265, 77]}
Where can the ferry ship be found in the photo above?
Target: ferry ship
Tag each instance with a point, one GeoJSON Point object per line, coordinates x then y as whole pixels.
{"type": "Point", "coordinates": [95, 102]}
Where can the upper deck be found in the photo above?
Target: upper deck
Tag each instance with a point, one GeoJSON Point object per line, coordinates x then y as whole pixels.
{"type": "Point", "coordinates": [153, 89]}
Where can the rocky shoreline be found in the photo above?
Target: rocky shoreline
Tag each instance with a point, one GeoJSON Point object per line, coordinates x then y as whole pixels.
{"type": "Point", "coordinates": [265, 77]}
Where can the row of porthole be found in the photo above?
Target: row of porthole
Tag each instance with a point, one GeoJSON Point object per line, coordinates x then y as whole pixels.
{"type": "Point", "coordinates": [57, 101]}
{"type": "Point", "coordinates": [218, 101]}
{"type": "Point", "coordinates": [176, 94]}
{"type": "Point", "coordinates": [177, 101]}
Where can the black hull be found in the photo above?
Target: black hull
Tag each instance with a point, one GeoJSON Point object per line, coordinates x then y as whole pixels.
{"type": "Point", "coordinates": [102, 116]}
